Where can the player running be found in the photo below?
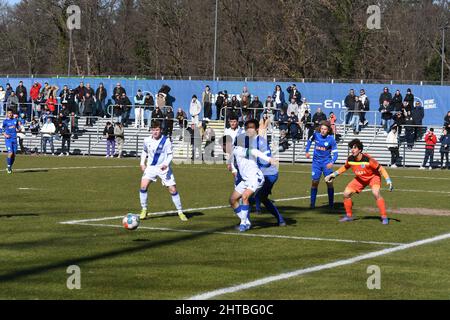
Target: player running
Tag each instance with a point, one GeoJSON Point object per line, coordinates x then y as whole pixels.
{"type": "Point", "coordinates": [10, 128]}
{"type": "Point", "coordinates": [158, 150]}
{"type": "Point", "coordinates": [252, 179]}
{"type": "Point", "coordinates": [368, 173]}
{"type": "Point", "coordinates": [325, 155]}
{"type": "Point", "coordinates": [270, 173]}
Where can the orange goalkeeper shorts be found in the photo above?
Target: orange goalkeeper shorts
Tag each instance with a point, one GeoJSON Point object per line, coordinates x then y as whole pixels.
{"type": "Point", "coordinates": [357, 185]}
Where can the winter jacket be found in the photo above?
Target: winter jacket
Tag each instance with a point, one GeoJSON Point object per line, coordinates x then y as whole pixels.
{"type": "Point", "coordinates": [109, 133]}
{"type": "Point", "coordinates": [195, 108]}
{"type": "Point", "coordinates": [417, 114]}
{"type": "Point", "coordinates": [48, 129]}
{"type": "Point", "coordinates": [445, 143]}
{"type": "Point", "coordinates": [392, 139]}
{"type": "Point", "coordinates": [430, 140]}
{"type": "Point", "coordinates": [89, 104]}
{"type": "Point", "coordinates": [385, 111]}
{"type": "Point", "coordinates": [350, 102]}
{"type": "Point", "coordinates": [34, 91]}
{"type": "Point", "coordinates": [396, 102]}
{"type": "Point", "coordinates": [385, 96]}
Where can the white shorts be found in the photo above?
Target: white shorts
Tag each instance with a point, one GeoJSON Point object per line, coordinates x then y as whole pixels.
{"type": "Point", "coordinates": [167, 177]}
{"type": "Point", "coordinates": [253, 184]}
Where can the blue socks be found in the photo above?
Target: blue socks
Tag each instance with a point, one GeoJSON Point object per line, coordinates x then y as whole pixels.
{"type": "Point", "coordinates": [313, 197]}
{"type": "Point", "coordinates": [331, 197]}
{"type": "Point", "coordinates": [273, 210]}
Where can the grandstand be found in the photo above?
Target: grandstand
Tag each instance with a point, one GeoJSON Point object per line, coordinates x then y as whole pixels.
{"type": "Point", "coordinates": [90, 142]}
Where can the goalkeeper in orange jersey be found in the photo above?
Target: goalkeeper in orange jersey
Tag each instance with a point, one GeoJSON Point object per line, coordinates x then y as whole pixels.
{"type": "Point", "coordinates": [368, 173]}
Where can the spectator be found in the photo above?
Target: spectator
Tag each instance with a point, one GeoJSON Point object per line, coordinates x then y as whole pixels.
{"type": "Point", "coordinates": [386, 116]}
{"type": "Point", "coordinates": [294, 126]}
{"type": "Point", "coordinates": [22, 89]}
{"type": "Point", "coordinates": [196, 141]}
{"type": "Point", "coordinates": [47, 131]}
{"type": "Point", "coordinates": [182, 118]}
{"type": "Point", "coordinates": [34, 129]}
{"type": "Point", "coordinates": [89, 105]}
{"type": "Point", "coordinates": [349, 103]}
{"type": "Point", "coordinates": [100, 96]}
{"type": "Point", "coordinates": [396, 101]}
{"type": "Point", "coordinates": [51, 103]}
{"type": "Point", "coordinates": [207, 103]}
{"type": "Point", "coordinates": [210, 138]}
{"type": "Point", "coordinates": [39, 104]}
{"type": "Point", "coordinates": [366, 107]}
{"type": "Point", "coordinates": [2, 100]}
{"type": "Point", "coordinates": [126, 106]}
{"type": "Point", "coordinates": [356, 116]}
{"type": "Point", "coordinates": [74, 124]}
{"type": "Point", "coordinates": [8, 90]}
{"type": "Point", "coordinates": [220, 101]}
{"type": "Point", "coordinates": [119, 134]}
{"type": "Point", "coordinates": [430, 142]}
{"type": "Point", "coordinates": [139, 110]}
{"type": "Point", "coordinates": [194, 110]}
{"type": "Point", "coordinates": [168, 122]}
{"type": "Point", "coordinates": [307, 124]}
{"type": "Point", "coordinates": [80, 93]}
{"type": "Point", "coordinates": [265, 125]}
{"type": "Point", "coordinates": [409, 98]}
{"type": "Point", "coordinates": [64, 95]}
{"type": "Point", "coordinates": [235, 110]}
{"type": "Point", "coordinates": [34, 95]}
{"type": "Point", "coordinates": [92, 94]}
{"type": "Point", "coordinates": [409, 129]}
{"type": "Point", "coordinates": [119, 90]}
{"type": "Point", "coordinates": [293, 107]}
{"type": "Point", "coordinates": [270, 109]}
{"type": "Point", "coordinates": [392, 144]}
{"type": "Point", "coordinates": [66, 135]}
{"type": "Point", "coordinates": [447, 121]}
{"type": "Point", "coordinates": [294, 94]}
{"type": "Point", "coordinates": [21, 132]}
{"type": "Point", "coordinates": [303, 107]}
{"type": "Point", "coordinates": [245, 102]}
{"type": "Point", "coordinates": [157, 115]}
{"type": "Point", "coordinates": [108, 133]}
{"type": "Point", "coordinates": [278, 98]}
{"type": "Point", "coordinates": [46, 90]}
{"type": "Point", "coordinates": [283, 121]}
{"type": "Point", "coordinates": [13, 102]}
{"type": "Point", "coordinates": [257, 107]}
{"type": "Point", "coordinates": [332, 119]}
{"type": "Point", "coordinates": [22, 107]}
{"type": "Point", "coordinates": [283, 144]}
{"type": "Point", "coordinates": [445, 147]}
{"type": "Point", "coordinates": [418, 115]}
{"type": "Point", "coordinates": [149, 105]}
{"type": "Point", "coordinates": [385, 95]}
{"type": "Point", "coordinates": [71, 103]}
{"type": "Point", "coordinates": [318, 117]}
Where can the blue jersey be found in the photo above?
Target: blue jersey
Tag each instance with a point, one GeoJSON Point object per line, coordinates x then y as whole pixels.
{"type": "Point", "coordinates": [325, 148]}
{"type": "Point", "coordinates": [10, 127]}
{"type": "Point", "coordinates": [263, 145]}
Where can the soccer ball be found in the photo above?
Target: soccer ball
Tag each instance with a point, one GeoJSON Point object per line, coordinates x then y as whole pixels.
{"type": "Point", "coordinates": [131, 221]}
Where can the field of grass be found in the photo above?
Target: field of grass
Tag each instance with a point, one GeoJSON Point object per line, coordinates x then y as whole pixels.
{"type": "Point", "coordinates": [170, 259]}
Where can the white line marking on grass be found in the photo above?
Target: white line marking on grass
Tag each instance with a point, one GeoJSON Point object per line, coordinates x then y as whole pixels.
{"type": "Point", "coordinates": [245, 234]}
{"type": "Point", "coordinates": [339, 263]}
{"type": "Point", "coordinates": [75, 168]}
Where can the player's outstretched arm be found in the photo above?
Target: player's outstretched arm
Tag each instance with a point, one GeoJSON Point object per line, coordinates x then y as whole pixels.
{"type": "Point", "coordinates": [338, 172]}
{"type": "Point", "coordinates": [384, 173]}
{"type": "Point", "coordinates": [263, 156]}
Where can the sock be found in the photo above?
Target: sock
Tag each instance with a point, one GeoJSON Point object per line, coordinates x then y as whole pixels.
{"type": "Point", "coordinates": [143, 195]}
{"type": "Point", "coordinates": [257, 203]}
{"type": "Point", "coordinates": [273, 210]}
{"type": "Point", "coordinates": [244, 215]}
{"type": "Point", "coordinates": [8, 162]}
{"type": "Point", "coordinates": [348, 204]}
{"type": "Point", "coordinates": [382, 206]}
{"type": "Point", "coordinates": [313, 197]}
{"type": "Point", "coordinates": [237, 211]}
{"type": "Point", "coordinates": [331, 196]}
{"type": "Point", "coordinates": [12, 160]}
{"type": "Point", "coordinates": [177, 201]}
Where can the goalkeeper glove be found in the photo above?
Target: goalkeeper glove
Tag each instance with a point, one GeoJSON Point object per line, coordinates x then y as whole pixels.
{"type": "Point", "coordinates": [330, 177]}
{"type": "Point", "coordinates": [389, 183]}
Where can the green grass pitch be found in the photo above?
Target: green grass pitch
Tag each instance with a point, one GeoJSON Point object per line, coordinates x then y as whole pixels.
{"type": "Point", "coordinates": [158, 261]}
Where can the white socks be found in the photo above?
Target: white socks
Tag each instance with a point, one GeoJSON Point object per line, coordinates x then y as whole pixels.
{"type": "Point", "coordinates": [177, 201]}
{"type": "Point", "coordinates": [143, 195]}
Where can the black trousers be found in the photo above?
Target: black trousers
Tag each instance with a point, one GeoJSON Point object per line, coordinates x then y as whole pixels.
{"type": "Point", "coordinates": [394, 155]}
{"type": "Point", "coordinates": [442, 159]}
{"type": "Point", "coordinates": [207, 113]}
{"type": "Point", "coordinates": [65, 141]}
{"type": "Point", "coordinates": [429, 155]}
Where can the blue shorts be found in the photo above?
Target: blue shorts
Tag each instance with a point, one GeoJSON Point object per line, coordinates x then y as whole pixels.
{"type": "Point", "coordinates": [269, 182]}
{"type": "Point", "coordinates": [318, 169]}
{"type": "Point", "coordinates": [11, 145]}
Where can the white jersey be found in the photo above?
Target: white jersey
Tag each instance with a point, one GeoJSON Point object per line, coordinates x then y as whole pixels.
{"type": "Point", "coordinates": [159, 152]}
{"type": "Point", "coordinates": [233, 134]}
{"type": "Point", "coordinates": [244, 161]}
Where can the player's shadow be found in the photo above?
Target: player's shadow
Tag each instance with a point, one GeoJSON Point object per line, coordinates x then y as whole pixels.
{"type": "Point", "coordinates": [325, 209]}
{"type": "Point", "coordinates": [270, 221]}
{"type": "Point", "coordinates": [31, 171]}
{"type": "Point", "coordinates": [377, 218]}
{"type": "Point", "coordinates": [189, 215]}
{"type": "Point", "coordinates": [19, 215]}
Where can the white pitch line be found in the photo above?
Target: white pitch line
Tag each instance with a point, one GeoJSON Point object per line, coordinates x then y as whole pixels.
{"type": "Point", "coordinates": [246, 234]}
{"type": "Point", "coordinates": [75, 168]}
{"type": "Point", "coordinates": [339, 263]}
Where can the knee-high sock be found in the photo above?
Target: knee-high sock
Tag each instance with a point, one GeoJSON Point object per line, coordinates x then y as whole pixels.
{"type": "Point", "coordinates": [257, 200]}
{"type": "Point", "coordinates": [313, 197]}
{"type": "Point", "coordinates": [348, 204]}
{"type": "Point", "coordinates": [331, 196]}
{"type": "Point", "coordinates": [382, 206]}
{"type": "Point", "coordinates": [272, 209]}
{"type": "Point", "coordinates": [244, 215]}
{"type": "Point", "coordinates": [177, 201]}
{"type": "Point", "coordinates": [9, 162]}
{"type": "Point", "coordinates": [143, 195]}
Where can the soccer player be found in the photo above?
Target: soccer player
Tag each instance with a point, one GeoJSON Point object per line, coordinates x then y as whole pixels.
{"type": "Point", "coordinates": [158, 150]}
{"type": "Point", "coordinates": [10, 128]}
{"type": "Point", "coordinates": [368, 173]}
{"type": "Point", "coordinates": [233, 131]}
{"type": "Point", "coordinates": [252, 179]}
{"type": "Point", "coordinates": [270, 173]}
{"type": "Point", "coordinates": [325, 155]}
